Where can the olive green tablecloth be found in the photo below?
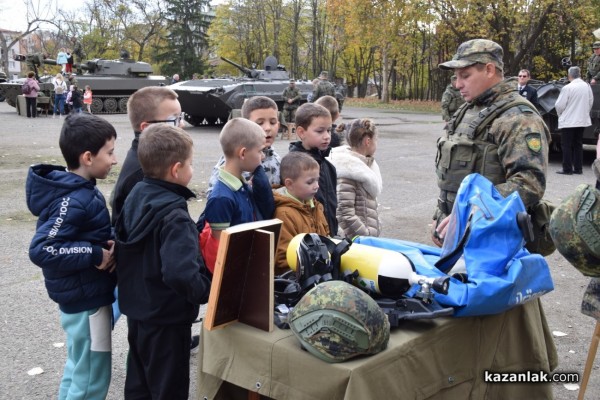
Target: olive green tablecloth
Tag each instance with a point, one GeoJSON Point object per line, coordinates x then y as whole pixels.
{"type": "Point", "coordinates": [442, 358]}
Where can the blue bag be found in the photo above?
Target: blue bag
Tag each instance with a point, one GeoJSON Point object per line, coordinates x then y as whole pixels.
{"type": "Point", "coordinates": [484, 237]}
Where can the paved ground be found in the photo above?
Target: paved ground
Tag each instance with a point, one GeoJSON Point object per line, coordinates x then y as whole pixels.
{"type": "Point", "coordinates": [30, 333]}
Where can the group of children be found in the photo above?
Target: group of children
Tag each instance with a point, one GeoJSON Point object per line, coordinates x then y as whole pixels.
{"type": "Point", "coordinates": [68, 97]}
{"type": "Point", "coordinates": [164, 260]}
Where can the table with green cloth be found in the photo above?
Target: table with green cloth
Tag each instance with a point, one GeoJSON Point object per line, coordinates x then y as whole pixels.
{"type": "Point", "coordinates": [440, 358]}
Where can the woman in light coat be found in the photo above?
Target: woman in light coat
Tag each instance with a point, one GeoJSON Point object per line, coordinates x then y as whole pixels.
{"type": "Point", "coordinates": [359, 180]}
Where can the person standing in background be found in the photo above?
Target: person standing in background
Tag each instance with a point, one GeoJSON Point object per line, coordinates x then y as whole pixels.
{"type": "Point", "coordinates": [31, 97]}
{"type": "Point", "coordinates": [593, 71]}
{"type": "Point", "coordinates": [62, 59]}
{"type": "Point", "coordinates": [69, 65]}
{"type": "Point", "coordinates": [87, 98]}
{"type": "Point", "coordinates": [525, 89]}
{"type": "Point", "coordinates": [451, 100]}
{"type": "Point", "coordinates": [573, 107]}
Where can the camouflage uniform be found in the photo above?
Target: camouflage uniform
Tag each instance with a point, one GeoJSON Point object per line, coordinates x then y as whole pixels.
{"type": "Point", "coordinates": [511, 151]}
{"type": "Point", "coordinates": [451, 100]}
{"type": "Point", "coordinates": [289, 110]}
{"type": "Point", "coordinates": [575, 228]}
{"type": "Point", "coordinates": [324, 88]}
{"type": "Point", "coordinates": [593, 69]}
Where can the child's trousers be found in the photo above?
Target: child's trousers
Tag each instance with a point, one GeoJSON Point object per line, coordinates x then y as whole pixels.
{"type": "Point", "coordinates": [158, 365]}
{"type": "Point", "coordinates": [88, 368]}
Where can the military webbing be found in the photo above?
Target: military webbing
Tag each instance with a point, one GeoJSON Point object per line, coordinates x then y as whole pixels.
{"type": "Point", "coordinates": [488, 114]}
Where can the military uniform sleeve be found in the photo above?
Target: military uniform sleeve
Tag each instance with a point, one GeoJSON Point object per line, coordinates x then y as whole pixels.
{"type": "Point", "coordinates": [445, 103]}
{"type": "Point", "coordinates": [522, 140]}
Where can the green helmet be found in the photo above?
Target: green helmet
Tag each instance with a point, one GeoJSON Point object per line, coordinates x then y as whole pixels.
{"type": "Point", "coordinates": [336, 321]}
{"type": "Point", "coordinates": [575, 229]}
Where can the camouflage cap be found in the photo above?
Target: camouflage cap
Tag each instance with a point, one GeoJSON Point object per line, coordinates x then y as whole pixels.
{"type": "Point", "coordinates": [336, 321]}
{"type": "Point", "coordinates": [323, 74]}
{"type": "Point", "coordinates": [575, 229]}
{"type": "Point", "coordinates": [292, 81]}
{"type": "Point", "coordinates": [476, 51]}
{"type": "Point", "coordinates": [596, 45]}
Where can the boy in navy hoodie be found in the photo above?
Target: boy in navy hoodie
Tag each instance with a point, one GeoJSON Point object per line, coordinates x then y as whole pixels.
{"type": "Point", "coordinates": [72, 244]}
{"type": "Point", "coordinates": [162, 278]}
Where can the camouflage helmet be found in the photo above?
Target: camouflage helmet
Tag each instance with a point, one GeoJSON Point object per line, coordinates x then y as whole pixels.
{"type": "Point", "coordinates": [476, 51]}
{"type": "Point", "coordinates": [336, 321]}
{"type": "Point", "coordinates": [575, 229]}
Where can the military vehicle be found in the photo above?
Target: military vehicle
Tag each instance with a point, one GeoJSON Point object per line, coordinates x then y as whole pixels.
{"type": "Point", "coordinates": [112, 81]}
{"type": "Point", "coordinates": [209, 101]}
{"type": "Point", "coordinates": [2, 80]}
{"type": "Point", "coordinates": [548, 94]}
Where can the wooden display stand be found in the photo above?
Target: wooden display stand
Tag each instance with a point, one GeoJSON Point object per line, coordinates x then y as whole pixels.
{"type": "Point", "coordinates": [242, 285]}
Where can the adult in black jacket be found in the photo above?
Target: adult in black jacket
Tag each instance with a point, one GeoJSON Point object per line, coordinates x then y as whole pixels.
{"type": "Point", "coordinates": [525, 89]}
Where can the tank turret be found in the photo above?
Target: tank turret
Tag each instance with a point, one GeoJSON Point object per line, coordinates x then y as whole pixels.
{"type": "Point", "coordinates": [272, 71]}
{"type": "Point", "coordinates": [210, 101]}
{"type": "Point", "coordinates": [112, 81]}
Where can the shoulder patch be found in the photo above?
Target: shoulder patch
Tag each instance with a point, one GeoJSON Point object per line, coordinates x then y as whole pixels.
{"type": "Point", "coordinates": [534, 142]}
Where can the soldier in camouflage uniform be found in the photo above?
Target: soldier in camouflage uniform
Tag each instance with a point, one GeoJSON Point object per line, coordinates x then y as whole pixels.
{"type": "Point", "coordinates": [451, 100]}
{"type": "Point", "coordinates": [574, 227]}
{"type": "Point", "coordinates": [291, 97]}
{"type": "Point", "coordinates": [593, 70]}
{"type": "Point", "coordinates": [496, 133]}
{"type": "Point", "coordinates": [324, 87]}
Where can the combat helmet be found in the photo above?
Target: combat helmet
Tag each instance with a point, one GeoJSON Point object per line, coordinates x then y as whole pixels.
{"type": "Point", "coordinates": [336, 321]}
{"type": "Point", "coordinates": [575, 229]}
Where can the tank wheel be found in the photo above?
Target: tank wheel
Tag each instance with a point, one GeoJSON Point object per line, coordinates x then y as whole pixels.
{"type": "Point", "coordinates": [96, 106]}
{"type": "Point", "coordinates": [110, 105]}
{"type": "Point", "coordinates": [123, 104]}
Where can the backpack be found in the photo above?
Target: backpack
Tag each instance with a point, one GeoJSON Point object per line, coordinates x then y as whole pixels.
{"type": "Point", "coordinates": [26, 88]}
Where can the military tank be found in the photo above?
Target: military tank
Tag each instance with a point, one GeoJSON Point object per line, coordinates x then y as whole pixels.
{"type": "Point", "coordinates": [112, 81]}
{"type": "Point", "coordinates": [548, 94]}
{"type": "Point", "coordinates": [209, 101]}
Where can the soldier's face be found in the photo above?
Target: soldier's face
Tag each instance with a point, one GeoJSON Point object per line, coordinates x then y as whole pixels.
{"type": "Point", "coordinates": [474, 80]}
{"type": "Point", "coordinates": [597, 51]}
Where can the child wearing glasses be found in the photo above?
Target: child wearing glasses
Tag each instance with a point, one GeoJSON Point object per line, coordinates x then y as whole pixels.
{"type": "Point", "coordinates": [147, 106]}
{"type": "Point", "coordinates": [263, 111]}
{"type": "Point", "coordinates": [161, 276]}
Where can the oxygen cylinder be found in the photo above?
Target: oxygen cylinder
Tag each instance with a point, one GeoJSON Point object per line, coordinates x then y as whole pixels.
{"type": "Point", "coordinates": [383, 271]}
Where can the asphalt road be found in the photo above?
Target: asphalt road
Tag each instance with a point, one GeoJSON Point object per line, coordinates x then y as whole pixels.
{"type": "Point", "coordinates": [30, 332]}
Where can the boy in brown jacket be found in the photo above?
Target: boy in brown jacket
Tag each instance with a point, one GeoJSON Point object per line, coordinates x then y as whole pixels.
{"type": "Point", "coordinates": [295, 203]}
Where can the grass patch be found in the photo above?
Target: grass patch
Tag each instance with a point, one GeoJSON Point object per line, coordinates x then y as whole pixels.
{"type": "Point", "coordinates": [432, 107]}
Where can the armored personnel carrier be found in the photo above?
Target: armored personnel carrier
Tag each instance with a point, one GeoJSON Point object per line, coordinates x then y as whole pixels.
{"type": "Point", "coordinates": [548, 94]}
{"type": "Point", "coordinates": [112, 81]}
{"type": "Point", "coordinates": [209, 101]}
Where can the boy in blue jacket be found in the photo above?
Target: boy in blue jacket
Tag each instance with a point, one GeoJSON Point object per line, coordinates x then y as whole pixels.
{"type": "Point", "coordinates": [72, 244]}
{"type": "Point", "coordinates": [162, 278]}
